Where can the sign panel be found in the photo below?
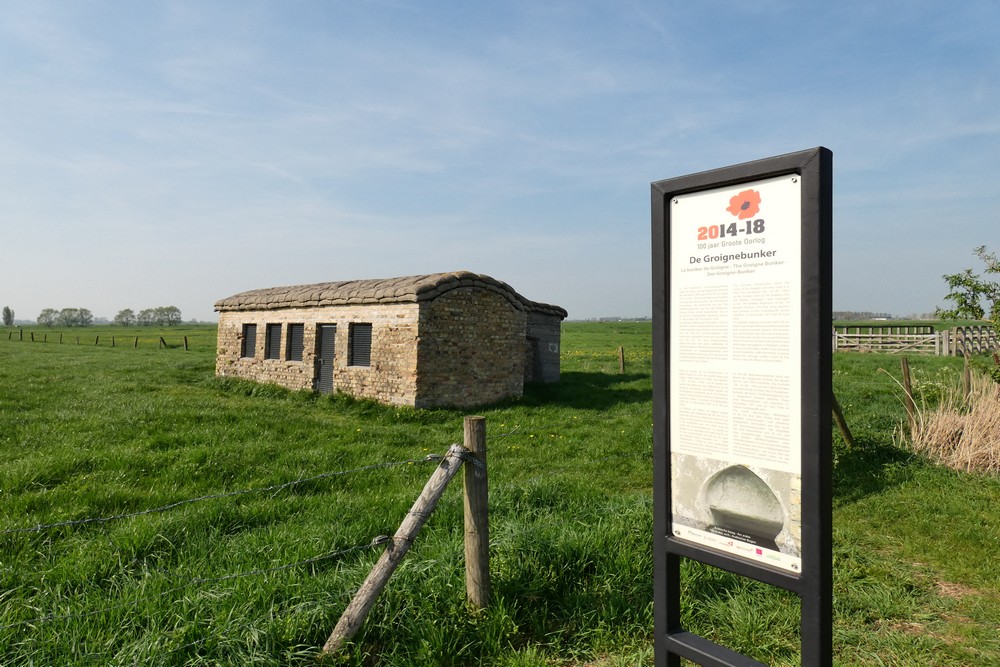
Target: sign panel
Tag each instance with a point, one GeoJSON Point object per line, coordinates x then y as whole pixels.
{"type": "Point", "coordinates": [742, 275]}
{"type": "Point", "coordinates": [735, 369]}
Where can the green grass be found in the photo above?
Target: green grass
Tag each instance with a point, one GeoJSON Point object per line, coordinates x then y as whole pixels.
{"type": "Point", "coordinates": [93, 431]}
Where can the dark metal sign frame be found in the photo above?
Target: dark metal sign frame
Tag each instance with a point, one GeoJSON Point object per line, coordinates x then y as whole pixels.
{"type": "Point", "coordinates": [814, 583]}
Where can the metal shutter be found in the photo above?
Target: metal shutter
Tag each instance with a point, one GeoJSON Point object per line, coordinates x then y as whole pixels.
{"type": "Point", "coordinates": [249, 345]}
{"type": "Point", "coordinates": [360, 345]}
{"type": "Point", "coordinates": [272, 344]}
{"type": "Point", "coordinates": [296, 334]}
{"type": "Point", "coordinates": [327, 335]}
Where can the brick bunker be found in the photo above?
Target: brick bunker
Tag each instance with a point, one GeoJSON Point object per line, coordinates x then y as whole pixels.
{"type": "Point", "coordinates": [444, 339]}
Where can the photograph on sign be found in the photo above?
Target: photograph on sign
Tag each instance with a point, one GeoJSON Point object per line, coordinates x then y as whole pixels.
{"type": "Point", "coordinates": [735, 369]}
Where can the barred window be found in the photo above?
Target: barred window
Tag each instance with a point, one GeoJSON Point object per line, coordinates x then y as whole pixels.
{"type": "Point", "coordinates": [272, 343]}
{"type": "Point", "coordinates": [248, 346]}
{"type": "Point", "coordinates": [296, 334]}
{"type": "Point", "coordinates": [359, 344]}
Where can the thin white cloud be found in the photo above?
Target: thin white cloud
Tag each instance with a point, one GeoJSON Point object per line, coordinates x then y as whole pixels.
{"type": "Point", "coordinates": [361, 133]}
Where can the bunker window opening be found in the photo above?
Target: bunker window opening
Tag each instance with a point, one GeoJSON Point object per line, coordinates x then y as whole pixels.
{"type": "Point", "coordinates": [296, 339]}
{"type": "Point", "coordinates": [248, 346]}
{"type": "Point", "coordinates": [359, 344]}
{"type": "Point", "coordinates": [272, 342]}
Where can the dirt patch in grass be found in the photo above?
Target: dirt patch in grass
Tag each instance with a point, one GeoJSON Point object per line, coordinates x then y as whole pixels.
{"type": "Point", "coordinates": [906, 627]}
{"type": "Point", "coordinates": [955, 591]}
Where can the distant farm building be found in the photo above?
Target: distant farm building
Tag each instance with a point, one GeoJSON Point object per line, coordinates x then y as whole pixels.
{"type": "Point", "coordinates": [444, 339]}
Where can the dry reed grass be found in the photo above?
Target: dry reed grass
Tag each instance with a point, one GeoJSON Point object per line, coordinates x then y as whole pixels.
{"type": "Point", "coordinates": [962, 433]}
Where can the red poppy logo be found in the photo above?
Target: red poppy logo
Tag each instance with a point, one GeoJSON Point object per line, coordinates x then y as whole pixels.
{"type": "Point", "coordinates": [745, 205]}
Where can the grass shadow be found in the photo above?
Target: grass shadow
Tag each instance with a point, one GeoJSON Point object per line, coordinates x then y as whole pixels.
{"type": "Point", "coordinates": [590, 391]}
{"type": "Point", "coordinates": [869, 468]}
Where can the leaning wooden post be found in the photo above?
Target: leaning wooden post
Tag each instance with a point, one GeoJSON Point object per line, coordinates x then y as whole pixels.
{"type": "Point", "coordinates": [911, 406]}
{"type": "Point", "coordinates": [356, 612]}
{"type": "Point", "coordinates": [136, 343]}
{"type": "Point", "coordinates": [966, 377]}
{"type": "Point", "coordinates": [477, 516]}
{"type": "Point", "coordinates": [185, 343]}
{"type": "Point", "coordinates": [838, 416]}
{"type": "Point", "coordinates": [163, 343]}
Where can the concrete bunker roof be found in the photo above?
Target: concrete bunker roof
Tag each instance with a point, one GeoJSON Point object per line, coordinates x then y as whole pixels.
{"type": "Point", "coordinates": [405, 289]}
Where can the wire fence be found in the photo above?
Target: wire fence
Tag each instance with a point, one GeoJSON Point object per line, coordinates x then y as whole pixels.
{"type": "Point", "coordinates": [217, 496]}
{"type": "Point", "coordinates": [163, 341]}
{"type": "Point", "coordinates": [374, 542]}
{"type": "Point", "coordinates": [177, 583]}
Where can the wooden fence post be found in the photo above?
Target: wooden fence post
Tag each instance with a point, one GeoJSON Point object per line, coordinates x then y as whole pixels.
{"type": "Point", "coordinates": [477, 516]}
{"type": "Point", "coordinates": [136, 343]}
{"type": "Point", "coordinates": [163, 343]}
{"type": "Point", "coordinates": [967, 378]}
{"type": "Point", "coordinates": [185, 343]}
{"type": "Point", "coordinates": [97, 340]}
{"type": "Point", "coordinates": [621, 361]}
{"type": "Point", "coordinates": [356, 612]}
{"type": "Point", "coordinates": [911, 406]}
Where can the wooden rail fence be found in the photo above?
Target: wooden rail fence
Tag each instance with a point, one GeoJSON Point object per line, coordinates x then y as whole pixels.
{"type": "Point", "coordinates": [916, 340]}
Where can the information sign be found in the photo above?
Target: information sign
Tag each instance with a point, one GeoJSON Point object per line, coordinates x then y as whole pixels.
{"type": "Point", "coordinates": [741, 390]}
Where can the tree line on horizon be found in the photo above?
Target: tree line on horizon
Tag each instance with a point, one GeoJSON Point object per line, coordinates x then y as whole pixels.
{"type": "Point", "coordinates": [82, 317]}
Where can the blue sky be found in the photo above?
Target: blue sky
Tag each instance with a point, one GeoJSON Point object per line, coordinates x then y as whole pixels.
{"type": "Point", "coordinates": [174, 153]}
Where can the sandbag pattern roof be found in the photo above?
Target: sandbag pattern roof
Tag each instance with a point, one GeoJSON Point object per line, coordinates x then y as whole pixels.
{"type": "Point", "coordinates": [405, 289]}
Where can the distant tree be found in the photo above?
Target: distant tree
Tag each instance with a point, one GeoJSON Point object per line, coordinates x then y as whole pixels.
{"type": "Point", "coordinates": [125, 318]}
{"type": "Point", "coordinates": [146, 317]}
{"type": "Point", "coordinates": [75, 317]}
{"type": "Point", "coordinates": [8, 316]}
{"type": "Point", "coordinates": [48, 317]}
{"type": "Point", "coordinates": [161, 316]}
{"type": "Point", "coordinates": [67, 317]}
{"type": "Point", "coordinates": [169, 315]}
{"type": "Point", "coordinates": [860, 315]}
{"type": "Point", "coordinates": [968, 291]}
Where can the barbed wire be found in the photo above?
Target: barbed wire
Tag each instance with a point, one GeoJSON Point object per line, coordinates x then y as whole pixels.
{"type": "Point", "coordinates": [216, 496]}
{"type": "Point", "coordinates": [375, 542]}
{"type": "Point", "coordinates": [187, 582]}
{"type": "Point", "coordinates": [85, 614]}
{"type": "Point", "coordinates": [509, 433]}
{"type": "Point", "coordinates": [633, 454]}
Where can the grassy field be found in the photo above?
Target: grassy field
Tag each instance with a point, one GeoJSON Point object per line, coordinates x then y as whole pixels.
{"type": "Point", "coordinates": [288, 490]}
